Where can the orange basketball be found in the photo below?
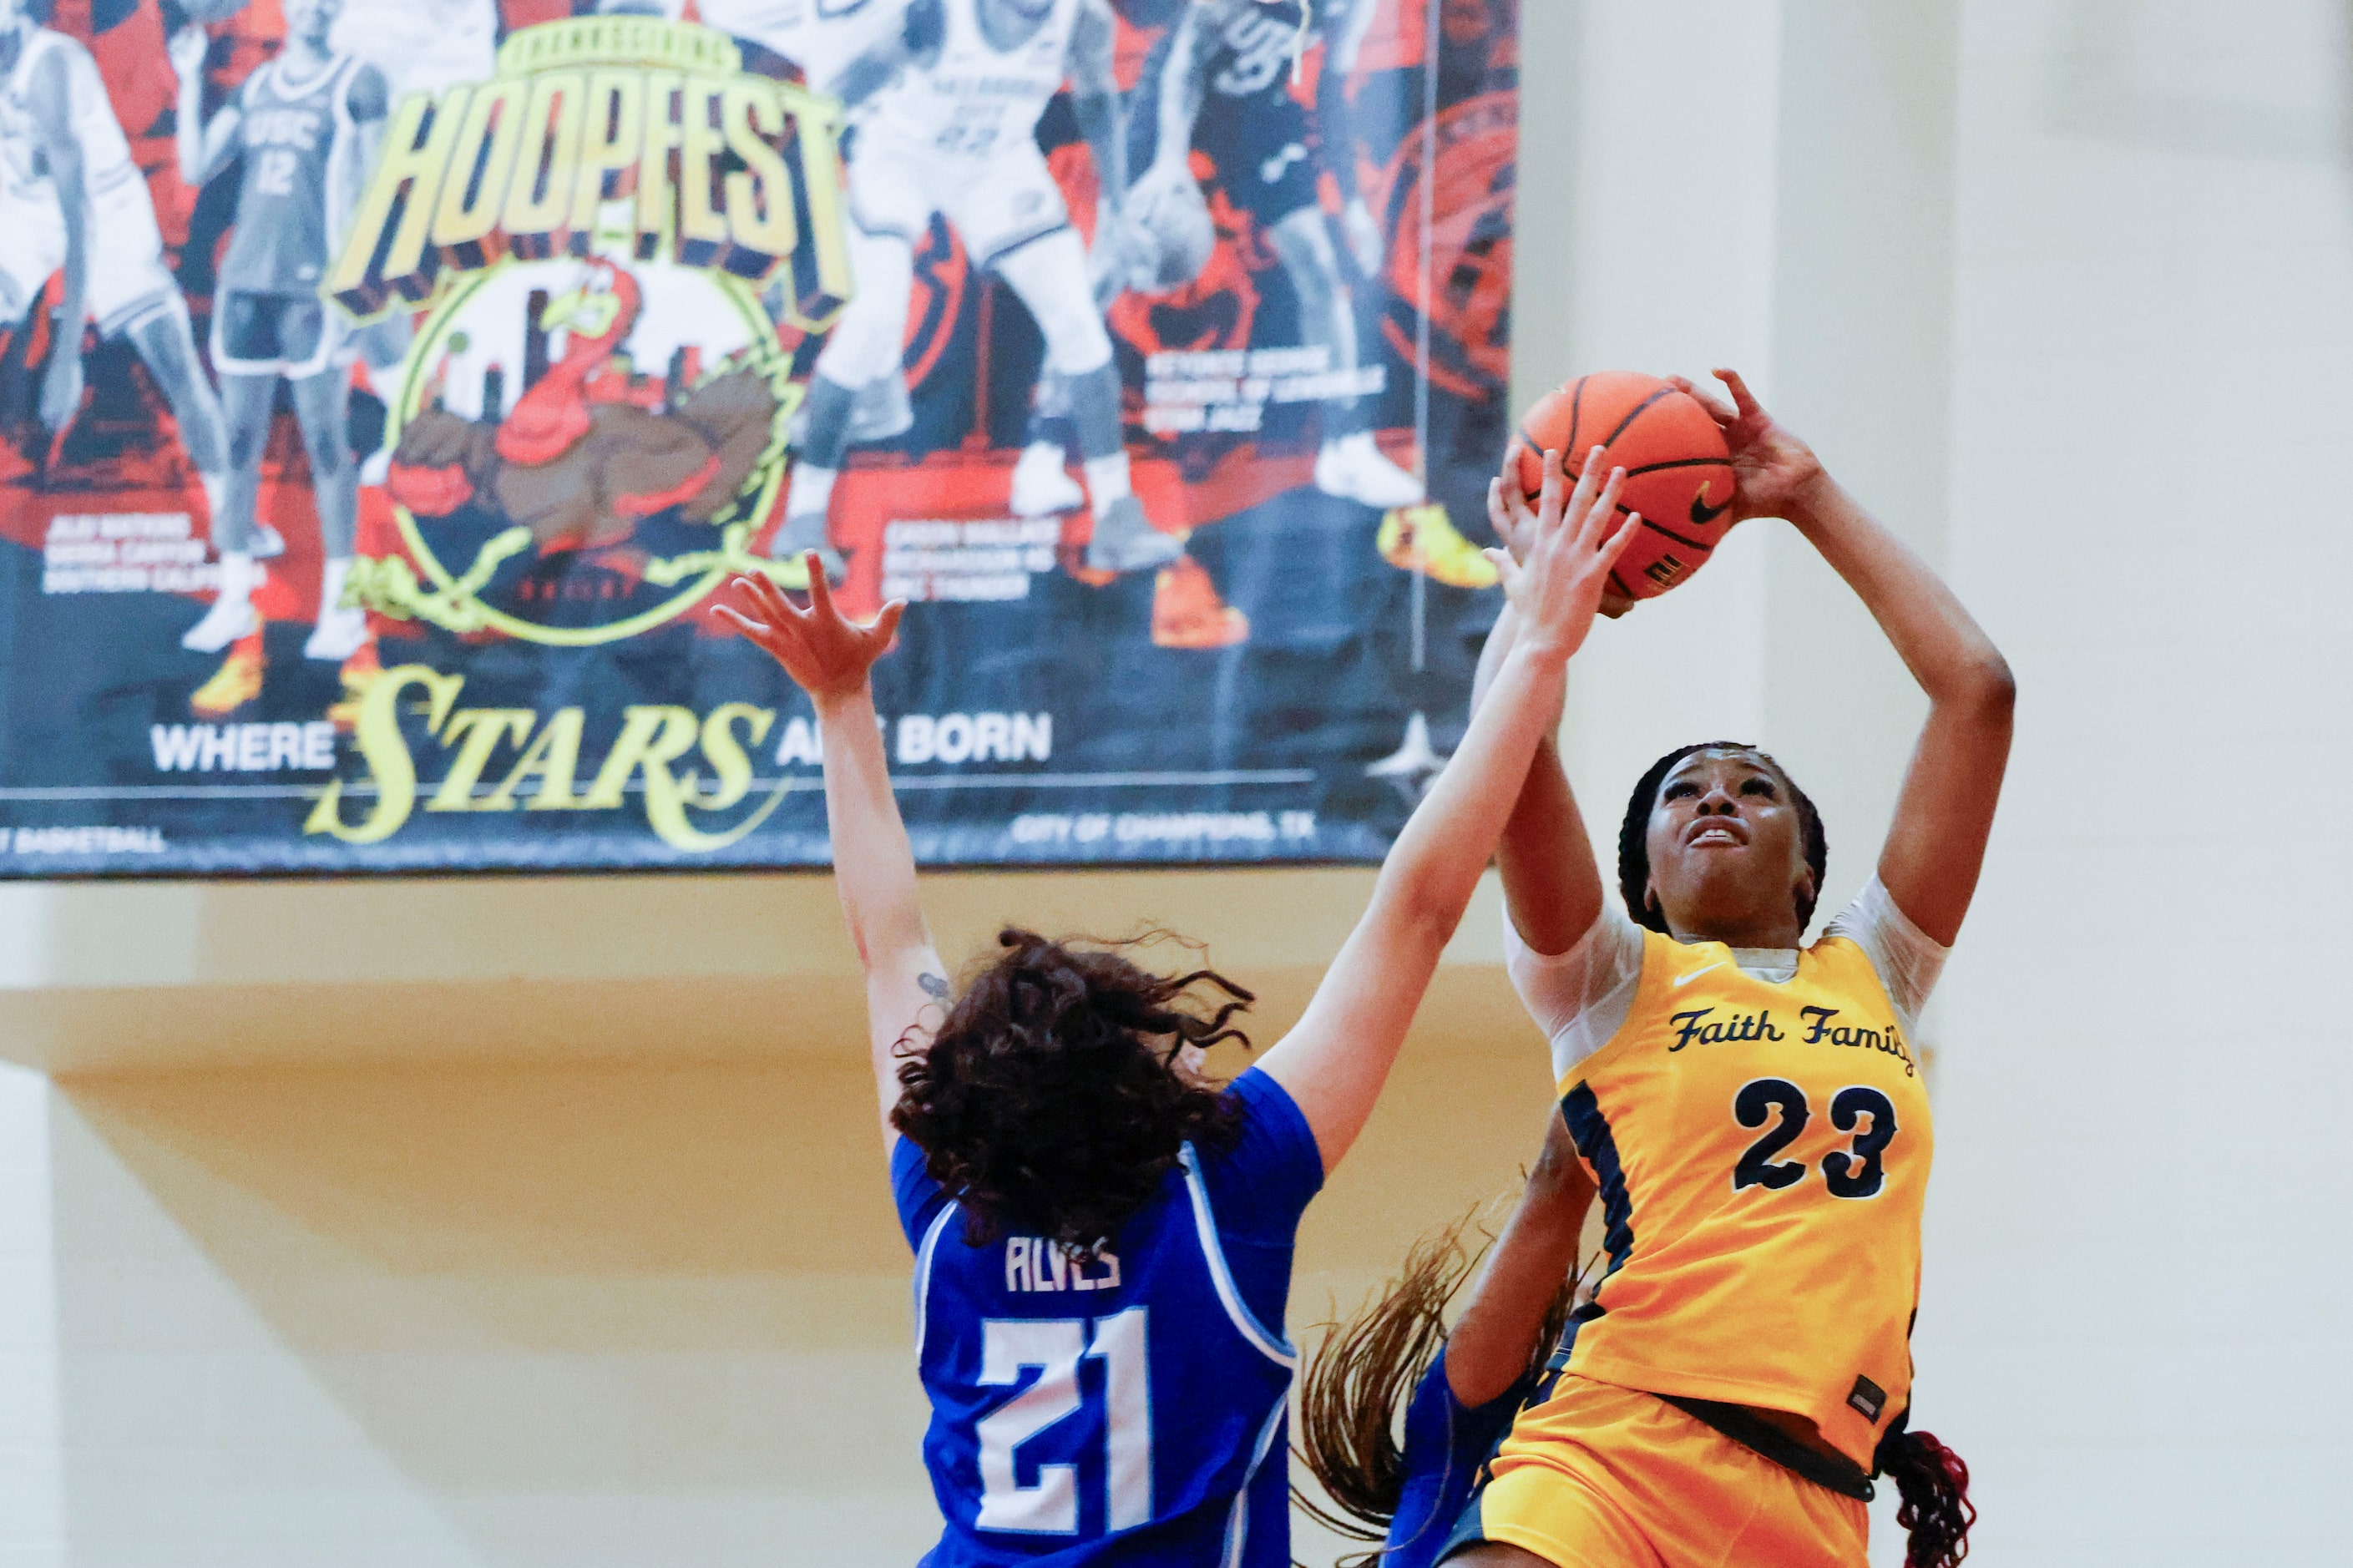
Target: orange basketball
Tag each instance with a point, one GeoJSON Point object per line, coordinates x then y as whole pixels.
{"type": "Point", "coordinates": [1678, 469]}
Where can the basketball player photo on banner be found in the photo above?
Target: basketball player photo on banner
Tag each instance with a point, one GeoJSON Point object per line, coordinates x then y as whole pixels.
{"type": "Point", "coordinates": [389, 393]}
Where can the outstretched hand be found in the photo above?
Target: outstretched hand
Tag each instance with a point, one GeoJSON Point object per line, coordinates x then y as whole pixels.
{"type": "Point", "coordinates": [1774, 473]}
{"type": "Point", "coordinates": [1558, 575]}
{"type": "Point", "coordinates": [1515, 521]}
{"type": "Point", "coordinates": [825, 653]}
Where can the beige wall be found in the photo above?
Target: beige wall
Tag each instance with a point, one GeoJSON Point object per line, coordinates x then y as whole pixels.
{"type": "Point", "coordinates": [550, 1315]}
{"type": "Point", "coordinates": [513, 1222]}
{"type": "Point", "coordinates": [2141, 1239]}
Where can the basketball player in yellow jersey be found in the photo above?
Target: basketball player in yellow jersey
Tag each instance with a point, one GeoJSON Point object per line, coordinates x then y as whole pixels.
{"type": "Point", "coordinates": [1750, 1107]}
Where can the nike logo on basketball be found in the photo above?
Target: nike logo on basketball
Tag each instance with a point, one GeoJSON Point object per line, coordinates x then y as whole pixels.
{"type": "Point", "coordinates": [1680, 981]}
{"type": "Point", "coordinates": [1702, 514]}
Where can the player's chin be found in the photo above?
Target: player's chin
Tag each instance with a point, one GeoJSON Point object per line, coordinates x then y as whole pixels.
{"type": "Point", "coordinates": [1726, 878]}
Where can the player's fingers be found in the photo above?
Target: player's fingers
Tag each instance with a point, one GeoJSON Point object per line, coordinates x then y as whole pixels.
{"type": "Point", "coordinates": [1588, 479]}
{"type": "Point", "coordinates": [1615, 546]}
{"type": "Point", "coordinates": [1514, 462]}
{"type": "Point", "coordinates": [758, 592]}
{"type": "Point", "coordinates": [1507, 572]}
{"type": "Point", "coordinates": [1603, 510]}
{"type": "Point", "coordinates": [767, 601]}
{"type": "Point", "coordinates": [1549, 500]}
{"type": "Point", "coordinates": [1579, 486]}
{"type": "Point", "coordinates": [886, 625]}
{"type": "Point", "coordinates": [1742, 398]}
{"type": "Point", "coordinates": [1508, 511]}
{"type": "Point", "coordinates": [769, 640]}
{"type": "Point", "coordinates": [1515, 498]}
{"type": "Point", "coordinates": [821, 592]}
{"type": "Point", "coordinates": [744, 623]}
{"type": "Point", "coordinates": [1720, 411]}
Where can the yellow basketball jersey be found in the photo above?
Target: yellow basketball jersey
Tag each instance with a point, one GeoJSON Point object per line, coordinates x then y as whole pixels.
{"type": "Point", "coordinates": [1762, 1155]}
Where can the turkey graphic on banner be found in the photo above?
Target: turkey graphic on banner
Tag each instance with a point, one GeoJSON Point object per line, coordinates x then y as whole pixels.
{"type": "Point", "coordinates": [389, 391]}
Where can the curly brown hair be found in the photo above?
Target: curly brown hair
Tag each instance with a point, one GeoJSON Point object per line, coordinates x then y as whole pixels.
{"type": "Point", "coordinates": [1051, 1101]}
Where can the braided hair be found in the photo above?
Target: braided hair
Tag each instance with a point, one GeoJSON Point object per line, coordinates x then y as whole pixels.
{"type": "Point", "coordinates": [1635, 835]}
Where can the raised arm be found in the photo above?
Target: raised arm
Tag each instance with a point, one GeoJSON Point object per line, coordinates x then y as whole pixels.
{"type": "Point", "coordinates": [1936, 844]}
{"type": "Point", "coordinates": [1521, 1276]}
{"type": "Point", "coordinates": [205, 148]}
{"type": "Point", "coordinates": [831, 658]}
{"type": "Point", "coordinates": [1334, 1062]}
{"type": "Point", "coordinates": [1552, 884]}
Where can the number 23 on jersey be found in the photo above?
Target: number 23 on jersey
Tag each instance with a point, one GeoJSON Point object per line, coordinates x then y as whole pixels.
{"type": "Point", "coordinates": [1855, 1172]}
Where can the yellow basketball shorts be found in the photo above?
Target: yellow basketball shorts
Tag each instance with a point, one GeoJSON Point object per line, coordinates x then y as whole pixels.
{"type": "Point", "coordinates": [1602, 1477]}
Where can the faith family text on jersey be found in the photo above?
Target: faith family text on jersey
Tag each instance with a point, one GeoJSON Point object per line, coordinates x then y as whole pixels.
{"type": "Point", "coordinates": [1701, 1027]}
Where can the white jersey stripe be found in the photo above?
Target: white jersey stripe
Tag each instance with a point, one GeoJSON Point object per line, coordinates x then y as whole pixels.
{"type": "Point", "coordinates": [923, 1277]}
{"type": "Point", "coordinates": [1273, 1346]}
{"type": "Point", "coordinates": [1237, 1517]}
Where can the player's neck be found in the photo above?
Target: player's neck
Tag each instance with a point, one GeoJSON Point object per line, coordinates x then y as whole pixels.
{"type": "Point", "coordinates": [1776, 932]}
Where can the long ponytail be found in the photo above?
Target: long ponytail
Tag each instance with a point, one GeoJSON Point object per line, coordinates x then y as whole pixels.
{"type": "Point", "coordinates": [1354, 1392]}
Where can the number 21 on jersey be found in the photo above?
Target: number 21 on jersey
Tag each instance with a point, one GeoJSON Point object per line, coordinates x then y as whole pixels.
{"type": "Point", "coordinates": [1054, 1347]}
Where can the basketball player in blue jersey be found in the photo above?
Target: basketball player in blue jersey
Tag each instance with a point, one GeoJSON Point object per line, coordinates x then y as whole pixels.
{"type": "Point", "coordinates": [1103, 1238]}
{"type": "Point", "coordinates": [305, 127]}
{"type": "Point", "coordinates": [1223, 83]}
{"type": "Point", "coordinates": [1458, 1388]}
{"type": "Point", "coordinates": [71, 200]}
{"type": "Point", "coordinates": [948, 104]}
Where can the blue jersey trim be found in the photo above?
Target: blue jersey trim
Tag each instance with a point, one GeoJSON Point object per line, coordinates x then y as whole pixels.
{"type": "Point", "coordinates": [1589, 1129]}
{"type": "Point", "coordinates": [1205, 1221]}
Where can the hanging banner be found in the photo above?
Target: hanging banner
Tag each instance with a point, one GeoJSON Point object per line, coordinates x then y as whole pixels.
{"type": "Point", "coordinates": [390, 389]}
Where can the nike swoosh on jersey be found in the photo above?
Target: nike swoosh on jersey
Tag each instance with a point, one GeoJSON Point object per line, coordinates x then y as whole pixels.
{"type": "Point", "coordinates": [1702, 514]}
{"type": "Point", "coordinates": [1680, 981]}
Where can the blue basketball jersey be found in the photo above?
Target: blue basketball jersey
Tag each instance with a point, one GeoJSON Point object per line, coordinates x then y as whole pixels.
{"type": "Point", "coordinates": [1127, 1409]}
{"type": "Point", "coordinates": [1447, 1446]}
